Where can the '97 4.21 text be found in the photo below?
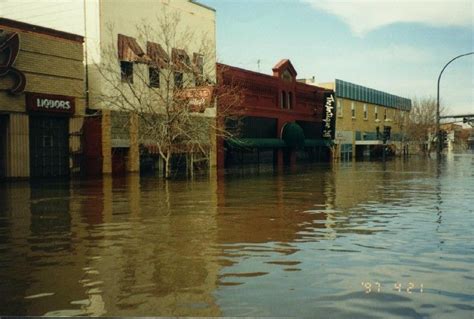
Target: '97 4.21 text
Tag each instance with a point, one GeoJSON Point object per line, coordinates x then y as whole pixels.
{"type": "Point", "coordinates": [375, 287]}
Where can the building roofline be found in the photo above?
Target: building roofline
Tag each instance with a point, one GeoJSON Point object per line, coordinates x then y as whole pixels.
{"type": "Point", "coordinates": [269, 76]}
{"type": "Point", "coordinates": [39, 29]}
{"type": "Point", "coordinates": [202, 5]}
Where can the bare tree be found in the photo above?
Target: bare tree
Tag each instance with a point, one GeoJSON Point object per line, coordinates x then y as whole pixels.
{"type": "Point", "coordinates": [170, 87]}
{"type": "Point", "coordinates": [422, 122]}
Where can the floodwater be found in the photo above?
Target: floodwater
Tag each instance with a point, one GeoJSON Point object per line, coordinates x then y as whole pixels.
{"type": "Point", "coordinates": [349, 240]}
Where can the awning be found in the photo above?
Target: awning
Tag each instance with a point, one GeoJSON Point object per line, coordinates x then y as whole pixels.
{"type": "Point", "coordinates": [256, 143]}
{"type": "Point", "coordinates": [293, 135]}
{"type": "Point", "coordinates": [273, 143]}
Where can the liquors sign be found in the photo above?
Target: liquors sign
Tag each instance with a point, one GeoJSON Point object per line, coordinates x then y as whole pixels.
{"type": "Point", "coordinates": [328, 116]}
{"type": "Point", "coordinates": [36, 102]}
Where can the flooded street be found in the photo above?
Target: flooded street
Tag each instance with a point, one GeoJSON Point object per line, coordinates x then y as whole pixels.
{"type": "Point", "coordinates": [351, 240]}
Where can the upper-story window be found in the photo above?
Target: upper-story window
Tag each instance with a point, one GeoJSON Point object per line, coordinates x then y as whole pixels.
{"type": "Point", "coordinates": [154, 77]}
{"type": "Point", "coordinates": [126, 71]}
{"type": "Point", "coordinates": [384, 114]}
{"type": "Point", "coordinates": [283, 100]}
{"type": "Point", "coordinates": [353, 110]}
{"type": "Point", "coordinates": [376, 113]}
{"type": "Point", "coordinates": [339, 108]}
{"type": "Point", "coordinates": [199, 69]}
{"type": "Point", "coordinates": [178, 80]}
{"type": "Point", "coordinates": [366, 115]}
{"type": "Point", "coordinates": [290, 100]}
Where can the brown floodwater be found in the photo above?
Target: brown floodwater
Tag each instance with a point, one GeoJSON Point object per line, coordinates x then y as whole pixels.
{"type": "Point", "coordinates": [348, 240]}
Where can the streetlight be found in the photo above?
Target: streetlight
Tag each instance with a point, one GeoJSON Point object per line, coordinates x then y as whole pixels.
{"type": "Point", "coordinates": [438, 146]}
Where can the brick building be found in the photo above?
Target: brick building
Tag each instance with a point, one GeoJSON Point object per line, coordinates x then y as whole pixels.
{"type": "Point", "coordinates": [41, 101]}
{"type": "Point", "coordinates": [283, 121]}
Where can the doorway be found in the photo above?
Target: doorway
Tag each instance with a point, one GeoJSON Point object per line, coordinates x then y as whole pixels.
{"type": "Point", "coordinates": [49, 146]}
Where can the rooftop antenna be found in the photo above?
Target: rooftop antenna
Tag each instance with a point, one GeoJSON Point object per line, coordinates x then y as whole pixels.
{"type": "Point", "coordinates": [258, 65]}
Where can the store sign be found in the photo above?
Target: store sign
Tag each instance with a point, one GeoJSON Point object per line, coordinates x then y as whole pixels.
{"type": "Point", "coordinates": [328, 116]}
{"type": "Point", "coordinates": [36, 102]}
{"type": "Point", "coordinates": [10, 46]}
{"type": "Point", "coordinates": [197, 98]}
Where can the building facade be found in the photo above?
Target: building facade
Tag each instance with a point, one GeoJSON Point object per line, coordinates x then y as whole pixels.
{"type": "Point", "coordinates": [135, 43]}
{"type": "Point", "coordinates": [363, 115]}
{"type": "Point", "coordinates": [282, 121]}
{"type": "Point", "coordinates": [41, 101]}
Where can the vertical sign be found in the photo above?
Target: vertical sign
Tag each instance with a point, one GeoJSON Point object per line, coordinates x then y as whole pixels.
{"type": "Point", "coordinates": [328, 116]}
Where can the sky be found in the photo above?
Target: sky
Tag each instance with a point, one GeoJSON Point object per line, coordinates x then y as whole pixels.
{"type": "Point", "coordinates": [397, 46]}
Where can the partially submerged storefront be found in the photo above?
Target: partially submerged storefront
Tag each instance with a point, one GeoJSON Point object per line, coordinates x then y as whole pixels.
{"type": "Point", "coordinates": [283, 121]}
{"type": "Point", "coordinates": [41, 101]}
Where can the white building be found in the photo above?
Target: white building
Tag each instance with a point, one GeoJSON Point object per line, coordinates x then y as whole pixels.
{"type": "Point", "coordinates": [127, 41]}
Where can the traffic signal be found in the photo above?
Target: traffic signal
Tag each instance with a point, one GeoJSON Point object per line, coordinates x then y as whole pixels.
{"type": "Point", "coordinates": [443, 137]}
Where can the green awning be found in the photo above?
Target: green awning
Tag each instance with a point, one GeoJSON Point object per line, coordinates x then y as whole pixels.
{"type": "Point", "coordinates": [272, 143]}
{"type": "Point", "coordinates": [256, 143]}
{"type": "Point", "coordinates": [317, 142]}
{"type": "Point", "coordinates": [293, 135]}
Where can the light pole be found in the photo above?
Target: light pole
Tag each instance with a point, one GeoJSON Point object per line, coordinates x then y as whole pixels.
{"type": "Point", "coordinates": [438, 144]}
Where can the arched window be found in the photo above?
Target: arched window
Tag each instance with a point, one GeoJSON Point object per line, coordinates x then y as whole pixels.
{"type": "Point", "coordinates": [283, 100]}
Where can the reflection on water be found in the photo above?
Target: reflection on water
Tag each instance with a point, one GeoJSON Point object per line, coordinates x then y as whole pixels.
{"type": "Point", "coordinates": [304, 243]}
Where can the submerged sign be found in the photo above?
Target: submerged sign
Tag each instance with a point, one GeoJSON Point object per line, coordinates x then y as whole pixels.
{"type": "Point", "coordinates": [328, 116]}
{"type": "Point", "coordinates": [37, 102]}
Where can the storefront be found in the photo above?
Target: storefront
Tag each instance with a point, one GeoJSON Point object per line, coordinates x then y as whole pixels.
{"type": "Point", "coordinates": [283, 122]}
{"type": "Point", "coordinates": [41, 101]}
{"type": "Point", "coordinates": [49, 134]}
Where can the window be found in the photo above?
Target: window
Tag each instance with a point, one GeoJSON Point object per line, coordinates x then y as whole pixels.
{"type": "Point", "coordinates": [283, 100]}
{"type": "Point", "coordinates": [199, 69]}
{"type": "Point", "coordinates": [385, 114]}
{"type": "Point", "coordinates": [126, 71]}
{"type": "Point", "coordinates": [376, 113]}
{"type": "Point", "coordinates": [290, 100]}
{"type": "Point", "coordinates": [199, 63]}
{"type": "Point", "coordinates": [154, 76]}
{"type": "Point", "coordinates": [366, 116]}
{"type": "Point", "coordinates": [339, 108]}
{"type": "Point", "coordinates": [178, 80]}
{"type": "Point", "coordinates": [353, 110]}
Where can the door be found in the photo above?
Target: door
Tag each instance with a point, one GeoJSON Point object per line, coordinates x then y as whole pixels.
{"type": "Point", "coordinates": [49, 146]}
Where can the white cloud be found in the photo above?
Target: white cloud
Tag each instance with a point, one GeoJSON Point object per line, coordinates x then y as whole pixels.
{"type": "Point", "coordinates": [364, 16]}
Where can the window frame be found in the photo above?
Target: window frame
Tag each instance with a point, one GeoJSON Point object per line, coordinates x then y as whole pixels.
{"type": "Point", "coordinates": [154, 82]}
{"type": "Point", "coordinates": [339, 108]}
{"type": "Point", "coordinates": [180, 82]}
{"type": "Point", "coordinates": [126, 71]}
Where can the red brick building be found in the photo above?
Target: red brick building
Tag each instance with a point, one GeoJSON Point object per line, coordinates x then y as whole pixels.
{"type": "Point", "coordinates": [284, 121]}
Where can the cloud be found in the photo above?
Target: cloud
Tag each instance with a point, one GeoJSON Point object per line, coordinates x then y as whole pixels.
{"type": "Point", "coordinates": [364, 16]}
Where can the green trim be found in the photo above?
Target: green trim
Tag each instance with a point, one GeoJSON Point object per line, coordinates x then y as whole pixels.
{"type": "Point", "coordinates": [256, 143]}
{"type": "Point", "coordinates": [272, 143]}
